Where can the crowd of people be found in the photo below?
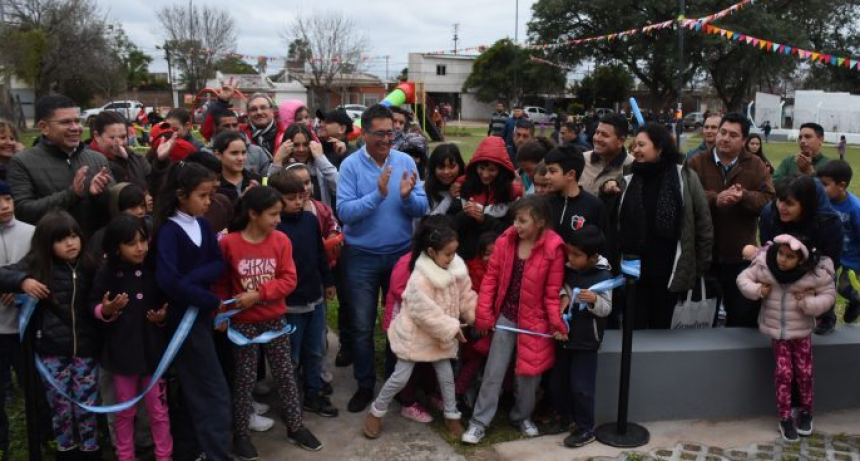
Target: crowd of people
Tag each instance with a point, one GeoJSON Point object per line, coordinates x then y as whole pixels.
{"type": "Point", "coordinates": [484, 267]}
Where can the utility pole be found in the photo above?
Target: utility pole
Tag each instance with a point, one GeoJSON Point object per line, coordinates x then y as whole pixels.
{"type": "Point", "coordinates": [682, 14]}
{"type": "Point", "coordinates": [386, 67]}
{"type": "Point", "coordinates": [456, 38]}
{"type": "Point", "coordinates": [517, 22]}
{"type": "Point", "coordinates": [166, 48]}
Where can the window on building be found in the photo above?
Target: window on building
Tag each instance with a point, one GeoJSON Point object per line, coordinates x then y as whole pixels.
{"type": "Point", "coordinates": [440, 69]}
{"type": "Point", "coordinates": [371, 99]}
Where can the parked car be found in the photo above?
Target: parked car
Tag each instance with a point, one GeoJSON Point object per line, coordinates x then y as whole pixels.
{"type": "Point", "coordinates": [539, 115]}
{"type": "Point", "coordinates": [354, 110]}
{"type": "Point", "coordinates": [694, 120]}
{"type": "Point", "coordinates": [128, 109]}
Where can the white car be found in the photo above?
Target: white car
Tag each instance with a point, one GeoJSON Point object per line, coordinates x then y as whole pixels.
{"type": "Point", "coordinates": [538, 114]}
{"type": "Point", "coordinates": [128, 109]}
{"type": "Point", "coordinates": [354, 110]}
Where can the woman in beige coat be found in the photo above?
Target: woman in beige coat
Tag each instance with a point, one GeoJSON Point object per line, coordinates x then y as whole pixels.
{"type": "Point", "coordinates": [428, 328]}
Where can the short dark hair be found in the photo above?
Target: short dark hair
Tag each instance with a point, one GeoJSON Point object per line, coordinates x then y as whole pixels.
{"type": "Point", "coordinates": [181, 114]}
{"type": "Point", "coordinates": [219, 114]}
{"type": "Point", "coordinates": [568, 158]}
{"type": "Point", "coordinates": [525, 123]}
{"type": "Point", "coordinates": [518, 107]}
{"type": "Point", "coordinates": [662, 140]}
{"type": "Point", "coordinates": [589, 239]}
{"type": "Point", "coordinates": [130, 196]}
{"type": "Point", "coordinates": [535, 150]}
{"type": "Point", "coordinates": [819, 130]}
{"type": "Point", "coordinates": [572, 126]}
{"type": "Point", "coordinates": [286, 183]}
{"type": "Point", "coordinates": [738, 118]}
{"type": "Point", "coordinates": [802, 189]}
{"type": "Point", "coordinates": [373, 112]}
{"type": "Point", "coordinates": [536, 205]}
{"type": "Point", "coordinates": [401, 111]}
{"type": "Point", "coordinates": [619, 122]}
{"type": "Point", "coordinates": [837, 170]}
{"type": "Point", "coordinates": [47, 105]}
{"type": "Point", "coordinates": [105, 119]}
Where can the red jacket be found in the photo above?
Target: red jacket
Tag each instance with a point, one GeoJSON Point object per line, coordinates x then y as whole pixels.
{"type": "Point", "coordinates": [492, 149]}
{"type": "Point", "coordinates": [267, 267]}
{"type": "Point", "coordinates": [539, 309]}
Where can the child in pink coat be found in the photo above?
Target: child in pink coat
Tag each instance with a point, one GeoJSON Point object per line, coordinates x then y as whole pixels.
{"type": "Point", "coordinates": [795, 285]}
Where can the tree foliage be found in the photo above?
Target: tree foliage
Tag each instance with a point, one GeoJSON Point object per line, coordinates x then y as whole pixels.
{"type": "Point", "coordinates": [506, 71]}
{"type": "Point", "coordinates": [733, 69]}
{"type": "Point", "coordinates": [197, 37]}
{"type": "Point", "coordinates": [234, 65]}
{"type": "Point", "coordinates": [604, 87]}
{"type": "Point", "coordinates": [326, 44]}
{"type": "Point", "coordinates": [56, 45]}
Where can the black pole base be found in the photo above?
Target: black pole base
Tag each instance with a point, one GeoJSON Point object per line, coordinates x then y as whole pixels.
{"type": "Point", "coordinates": [635, 436]}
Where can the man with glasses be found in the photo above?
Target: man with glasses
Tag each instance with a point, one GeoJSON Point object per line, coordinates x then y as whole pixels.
{"type": "Point", "coordinates": [60, 171]}
{"type": "Point", "coordinates": [378, 196]}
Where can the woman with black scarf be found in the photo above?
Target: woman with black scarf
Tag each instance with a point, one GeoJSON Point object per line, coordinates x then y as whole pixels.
{"type": "Point", "coordinates": [663, 220]}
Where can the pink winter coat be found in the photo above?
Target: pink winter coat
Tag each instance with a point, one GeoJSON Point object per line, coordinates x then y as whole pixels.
{"type": "Point", "coordinates": [782, 316]}
{"type": "Point", "coordinates": [434, 302]}
{"type": "Point", "coordinates": [539, 309]}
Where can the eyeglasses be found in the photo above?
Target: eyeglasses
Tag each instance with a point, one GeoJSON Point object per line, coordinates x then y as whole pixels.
{"type": "Point", "coordinates": [255, 109]}
{"type": "Point", "coordinates": [66, 122]}
{"type": "Point", "coordinates": [382, 134]}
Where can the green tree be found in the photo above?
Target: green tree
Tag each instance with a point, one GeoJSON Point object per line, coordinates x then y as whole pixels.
{"type": "Point", "coordinates": [604, 87]}
{"type": "Point", "coordinates": [506, 71]}
{"type": "Point", "coordinates": [234, 65]}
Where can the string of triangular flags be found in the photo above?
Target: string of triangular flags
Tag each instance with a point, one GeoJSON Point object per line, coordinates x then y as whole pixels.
{"type": "Point", "coordinates": [776, 48]}
{"type": "Point", "coordinates": [618, 35]}
{"type": "Point", "coordinates": [550, 63]}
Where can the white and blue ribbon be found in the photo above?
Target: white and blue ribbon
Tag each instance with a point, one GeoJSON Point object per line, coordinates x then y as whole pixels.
{"type": "Point", "coordinates": [630, 268]}
{"type": "Point", "coordinates": [238, 338]}
{"type": "Point", "coordinates": [28, 305]}
{"type": "Point", "coordinates": [520, 330]}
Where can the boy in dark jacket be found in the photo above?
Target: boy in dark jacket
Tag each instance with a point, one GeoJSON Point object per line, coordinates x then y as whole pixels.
{"type": "Point", "coordinates": [571, 206]}
{"type": "Point", "coordinates": [575, 372]}
{"type": "Point", "coordinates": [306, 304]}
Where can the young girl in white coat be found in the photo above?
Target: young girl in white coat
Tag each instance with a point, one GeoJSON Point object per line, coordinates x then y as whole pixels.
{"type": "Point", "coordinates": [428, 327]}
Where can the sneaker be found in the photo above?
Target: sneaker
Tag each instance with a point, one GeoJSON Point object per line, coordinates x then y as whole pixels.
{"type": "Point", "coordinates": [244, 449]}
{"type": "Point", "coordinates": [528, 428]}
{"type": "Point", "coordinates": [320, 405]}
{"type": "Point", "coordinates": [344, 357]}
{"type": "Point", "coordinates": [578, 438]}
{"type": "Point", "coordinates": [804, 423]}
{"type": "Point", "coordinates": [303, 438]}
{"type": "Point", "coordinates": [260, 408]}
{"type": "Point", "coordinates": [262, 388]}
{"type": "Point", "coordinates": [825, 326]}
{"type": "Point", "coordinates": [360, 400]}
{"type": "Point", "coordinates": [788, 431]}
{"type": "Point", "coordinates": [259, 423]}
{"type": "Point", "coordinates": [416, 413]}
{"type": "Point", "coordinates": [852, 312]}
{"type": "Point", "coordinates": [473, 434]}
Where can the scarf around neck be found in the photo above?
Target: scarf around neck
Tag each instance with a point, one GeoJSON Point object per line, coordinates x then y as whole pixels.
{"type": "Point", "coordinates": [633, 227]}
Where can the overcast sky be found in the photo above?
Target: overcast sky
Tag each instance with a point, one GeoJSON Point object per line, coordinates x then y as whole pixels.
{"type": "Point", "coordinates": [393, 28]}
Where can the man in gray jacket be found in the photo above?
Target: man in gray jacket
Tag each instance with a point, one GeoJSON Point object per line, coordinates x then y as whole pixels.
{"type": "Point", "coordinates": [60, 171]}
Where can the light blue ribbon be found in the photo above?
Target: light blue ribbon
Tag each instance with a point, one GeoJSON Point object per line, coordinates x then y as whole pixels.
{"type": "Point", "coordinates": [520, 330]}
{"type": "Point", "coordinates": [238, 338]}
{"type": "Point", "coordinates": [28, 305]}
{"type": "Point", "coordinates": [630, 268]}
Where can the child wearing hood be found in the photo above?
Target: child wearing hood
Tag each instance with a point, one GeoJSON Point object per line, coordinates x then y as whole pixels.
{"type": "Point", "coordinates": [489, 189]}
{"type": "Point", "coordinates": [795, 285]}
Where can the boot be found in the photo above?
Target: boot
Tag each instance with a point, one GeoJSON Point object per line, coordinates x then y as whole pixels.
{"type": "Point", "coordinates": [454, 427]}
{"type": "Point", "coordinates": [372, 426]}
{"type": "Point", "coordinates": [68, 455]}
{"type": "Point", "coordinates": [95, 455]}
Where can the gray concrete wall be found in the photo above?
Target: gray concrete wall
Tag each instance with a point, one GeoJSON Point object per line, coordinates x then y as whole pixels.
{"type": "Point", "coordinates": [719, 373]}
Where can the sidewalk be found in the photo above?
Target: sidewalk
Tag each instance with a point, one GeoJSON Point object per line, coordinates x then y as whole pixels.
{"type": "Point", "coordinates": [753, 439]}
{"type": "Point", "coordinates": [342, 437]}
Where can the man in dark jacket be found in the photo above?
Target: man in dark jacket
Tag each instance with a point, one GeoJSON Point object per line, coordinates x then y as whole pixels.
{"type": "Point", "coordinates": [498, 121]}
{"type": "Point", "coordinates": [60, 172]}
{"type": "Point", "coordinates": [738, 187]}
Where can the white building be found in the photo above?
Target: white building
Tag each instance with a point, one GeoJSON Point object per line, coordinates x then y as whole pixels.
{"type": "Point", "coordinates": [249, 84]}
{"type": "Point", "coordinates": [443, 76]}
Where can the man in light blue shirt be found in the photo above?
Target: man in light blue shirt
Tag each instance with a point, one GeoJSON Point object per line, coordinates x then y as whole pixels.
{"type": "Point", "coordinates": [378, 196]}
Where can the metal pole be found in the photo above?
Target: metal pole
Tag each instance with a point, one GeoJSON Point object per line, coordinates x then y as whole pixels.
{"type": "Point", "coordinates": [679, 127]}
{"type": "Point", "coordinates": [517, 22]}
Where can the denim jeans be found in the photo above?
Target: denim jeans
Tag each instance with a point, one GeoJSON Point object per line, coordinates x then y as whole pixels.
{"type": "Point", "coordinates": [308, 348]}
{"type": "Point", "coordinates": [368, 274]}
